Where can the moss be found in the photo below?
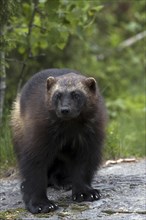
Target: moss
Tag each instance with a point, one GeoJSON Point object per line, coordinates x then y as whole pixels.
{"type": "Point", "coordinates": [63, 202]}
{"type": "Point", "coordinates": [79, 207]}
{"type": "Point", "coordinates": [12, 214]}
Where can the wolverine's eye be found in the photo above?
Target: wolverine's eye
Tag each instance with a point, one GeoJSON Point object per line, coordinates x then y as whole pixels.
{"type": "Point", "coordinates": [59, 95]}
{"type": "Point", "coordinates": [75, 95]}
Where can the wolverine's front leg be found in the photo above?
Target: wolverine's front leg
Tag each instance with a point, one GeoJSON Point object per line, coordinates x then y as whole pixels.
{"type": "Point", "coordinates": [82, 191]}
{"type": "Point", "coordinates": [82, 175]}
{"type": "Point", "coordinates": [34, 186]}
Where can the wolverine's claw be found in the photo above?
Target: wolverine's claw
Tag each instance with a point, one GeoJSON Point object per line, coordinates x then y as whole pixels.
{"type": "Point", "coordinates": [40, 209]}
{"type": "Point", "coordinates": [74, 198]}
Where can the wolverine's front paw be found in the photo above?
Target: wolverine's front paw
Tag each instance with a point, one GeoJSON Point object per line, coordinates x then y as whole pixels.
{"type": "Point", "coordinates": [88, 195]}
{"type": "Point", "coordinates": [41, 207]}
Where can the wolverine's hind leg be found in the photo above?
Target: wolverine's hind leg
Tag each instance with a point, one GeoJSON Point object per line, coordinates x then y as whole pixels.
{"type": "Point", "coordinates": [58, 176]}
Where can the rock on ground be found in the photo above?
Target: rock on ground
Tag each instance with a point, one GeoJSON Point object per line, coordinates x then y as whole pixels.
{"type": "Point", "coordinates": [123, 196]}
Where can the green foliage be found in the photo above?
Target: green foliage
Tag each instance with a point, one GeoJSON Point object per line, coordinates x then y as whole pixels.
{"type": "Point", "coordinates": [48, 24]}
{"type": "Point", "coordinates": [7, 10]}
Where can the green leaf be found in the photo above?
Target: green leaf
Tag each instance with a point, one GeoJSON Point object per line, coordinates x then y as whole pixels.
{"type": "Point", "coordinates": [61, 45]}
{"type": "Point", "coordinates": [97, 8]}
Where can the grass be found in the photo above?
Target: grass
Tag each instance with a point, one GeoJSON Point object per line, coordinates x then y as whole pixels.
{"type": "Point", "coordinates": [126, 133]}
{"type": "Point", "coordinates": [7, 157]}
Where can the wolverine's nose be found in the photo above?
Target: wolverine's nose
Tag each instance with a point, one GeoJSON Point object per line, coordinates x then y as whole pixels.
{"type": "Point", "coordinates": [65, 110]}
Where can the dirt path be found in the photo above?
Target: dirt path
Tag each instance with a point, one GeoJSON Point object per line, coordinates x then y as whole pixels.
{"type": "Point", "coordinates": [123, 197]}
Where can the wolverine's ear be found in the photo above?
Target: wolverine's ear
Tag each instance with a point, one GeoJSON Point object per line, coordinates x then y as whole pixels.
{"type": "Point", "coordinates": [50, 81]}
{"type": "Point", "coordinates": [91, 83]}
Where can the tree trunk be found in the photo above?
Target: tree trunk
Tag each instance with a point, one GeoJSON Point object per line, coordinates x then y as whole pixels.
{"type": "Point", "coordinates": [2, 83]}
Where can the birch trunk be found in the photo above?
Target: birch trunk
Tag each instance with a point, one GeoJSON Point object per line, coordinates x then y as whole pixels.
{"type": "Point", "coordinates": [2, 83]}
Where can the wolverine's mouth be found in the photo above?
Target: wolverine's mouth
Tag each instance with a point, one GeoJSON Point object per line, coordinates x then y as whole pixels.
{"type": "Point", "coordinates": [67, 115]}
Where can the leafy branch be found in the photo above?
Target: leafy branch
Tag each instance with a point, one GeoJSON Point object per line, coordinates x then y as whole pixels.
{"type": "Point", "coordinates": [29, 50]}
{"type": "Point", "coordinates": [126, 43]}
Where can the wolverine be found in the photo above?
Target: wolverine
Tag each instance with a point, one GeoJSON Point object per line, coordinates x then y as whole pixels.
{"type": "Point", "coordinates": [58, 129]}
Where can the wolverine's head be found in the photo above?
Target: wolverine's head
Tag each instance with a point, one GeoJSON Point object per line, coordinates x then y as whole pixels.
{"type": "Point", "coordinates": [68, 94]}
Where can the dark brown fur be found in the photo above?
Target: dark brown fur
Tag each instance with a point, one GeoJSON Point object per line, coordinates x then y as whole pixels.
{"type": "Point", "coordinates": [58, 125]}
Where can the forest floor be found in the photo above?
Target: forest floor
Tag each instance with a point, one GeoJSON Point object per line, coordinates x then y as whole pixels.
{"type": "Point", "coordinates": [122, 186]}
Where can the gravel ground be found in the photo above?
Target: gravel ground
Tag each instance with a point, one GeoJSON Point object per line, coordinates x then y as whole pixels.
{"type": "Point", "coordinates": [123, 197]}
